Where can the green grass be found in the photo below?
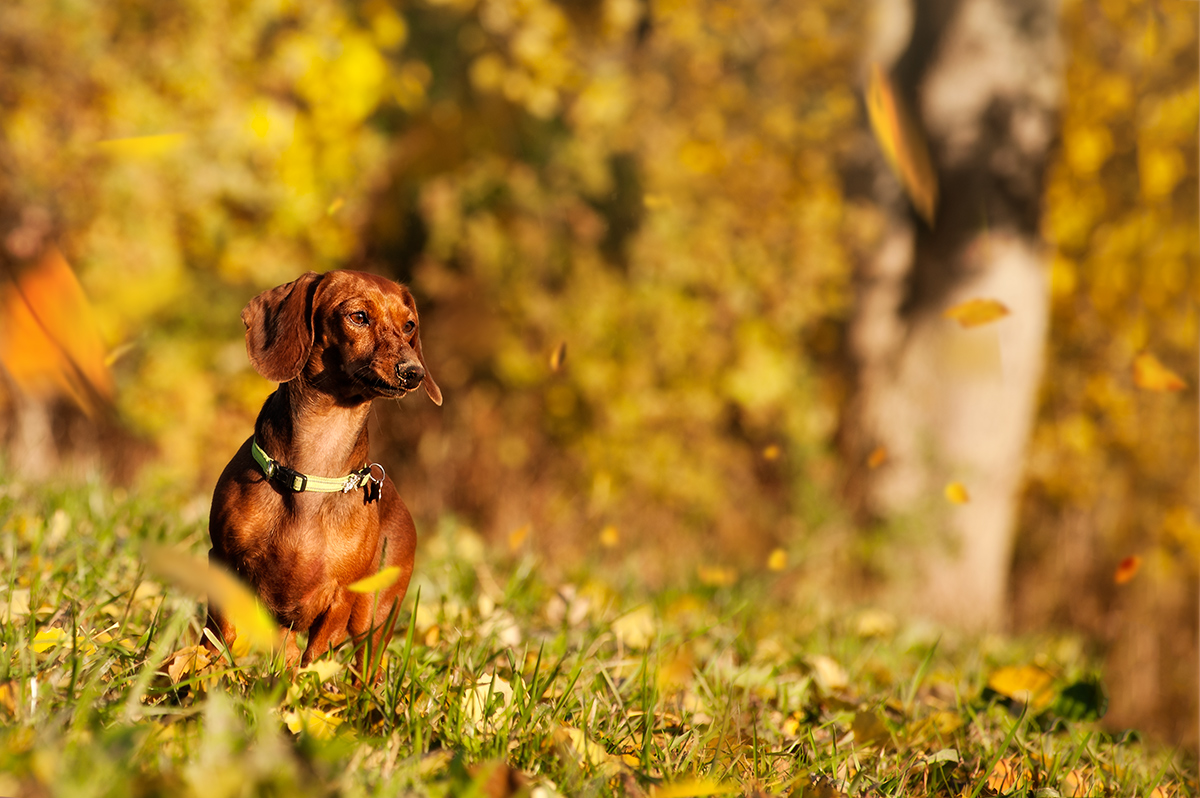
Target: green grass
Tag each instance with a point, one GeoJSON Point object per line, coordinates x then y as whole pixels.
{"type": "Point", "coordinates": [503, 683]}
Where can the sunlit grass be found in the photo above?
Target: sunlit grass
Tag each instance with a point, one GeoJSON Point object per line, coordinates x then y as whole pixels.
{"type": "Point", "coordinates": [503, 683]}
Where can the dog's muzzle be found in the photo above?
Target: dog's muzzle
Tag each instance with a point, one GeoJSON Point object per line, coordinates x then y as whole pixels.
{"type": "Point", "coordinates": [409, 375]}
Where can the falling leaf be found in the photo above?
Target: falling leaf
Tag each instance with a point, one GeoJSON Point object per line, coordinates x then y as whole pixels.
{"type": "Point", "coordinates": [49, 338]}
{"type": "Point", "coordinates": [385, 578]}
{"type": "Point", "coordinates": [610, 538]}
{"type": "Point", "coordinates": [558, 357]}
{"type": "Point", "coordinates": [254, 624]}
{"type": "Point", "coordinates": [1025, 684]}
{"type": "Point", "coordinates": [902, 143]}
{"type": "Point", "coordinates": [877, 457]}
{"type": "Point", "coordinates": [976, 312]}
{"type": "Point", "coordinates": [1150, 374]}
{"type": "Point", "coordinates": [956, 493]}
{"type": "Point", "coordinates": [1128, 569]}
{"type": "Point", "coordinates": [142, 146]}
{"type": "Point", "coordinates": [518, 536]}
{"type": "Point", "coordinates": [778, 560]}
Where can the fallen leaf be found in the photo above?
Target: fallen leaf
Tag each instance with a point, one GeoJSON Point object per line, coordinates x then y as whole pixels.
{"type": "Point", "coordinates": [1075, 784]}
{"type": "Point", "coordinates": [314, 722]}
{"type": "Point", "coordinates": [827, 673]}
{"type": "Point", "coordinates": [694, 789]}
{"type": "Point", "coordinates": [1026, 684]}
{"type": "Point", "coordinates": [323, 669]}
{"type": "Point", "coordinates": [1128, 569]}
{"type": "Point", "coordinates": [385, 578]}
{"type": "Point", "coordinates": [956, 493]}
{"type": "Point", "coordinates": [902, 143]}
{"type": "Point", "coordinates": [46, 639]}
{"type": "Point", "coordinates": [186, 662]}
{"type": "Point", "coordinates": [976, 312]}
{"type": "Point", "coordinates": [636, 628]}
{"type": "Point", "coordinates": [1006, 776]}
{"type": "Point", "coordinates": [588, 750]}
{"type": "Point", "coordinates": [1150, 374]}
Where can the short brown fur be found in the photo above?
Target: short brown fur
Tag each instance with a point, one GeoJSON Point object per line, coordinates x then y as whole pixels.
{"type": "Point", "coordinates": [335, 342]}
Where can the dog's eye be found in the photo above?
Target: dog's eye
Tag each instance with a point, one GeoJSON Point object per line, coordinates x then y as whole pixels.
{"type": "Point", "coordinates": [358, 317]}
{"type": "Point", "coordinates": [408, 327]}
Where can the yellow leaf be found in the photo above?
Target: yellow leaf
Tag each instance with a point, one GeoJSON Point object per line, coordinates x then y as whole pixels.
{"type": "Point", "coordinates": [1150, 374]}
{"type": "Point", "coordinates": [323, 669]}
{"type": "Point", "coordinates": [778, 560]}
{"type": "Point", "coordinates": [1128, 569]}
{"type": "Point", "coordinates": [902, 143]}
{"type": "Point", "coordinates": [635, 629]}
{"type": "Point", "coordinates": [558, 357]}
{"type": "Point", "coordinates": [186, 662]}
{"type": "Point", "coordinates": [693, 789]}
{"type": "Point", "coordinates": [827, 673]}
{"type": "Point", "coordinates": [313, 722]}
{"type": "Point", "coordinates": [518, 536]}
{"type": "Point", "coordinates": [254, 624]}
{"type": "Point", "coordinates": [589, 751]}
{"type": "Point", "coordinates": [1006, 776]}
{"type": "Point", "coordinates": [1075, 784]}
{"type": "Point", "coordinates": [976, 312]}
{"type": "Point", "coordinates": [716, 575]}
{"type": "Point", "coordinates": [47, 639]}
{"type": "Point", "coordinates": [142, 146]}
{"type": "Point", "coordinates": [1027, 684]}
{"type": "Point", "coordinates": [376, 582]}
{"type": "Point", "coordinates": [956, 493]}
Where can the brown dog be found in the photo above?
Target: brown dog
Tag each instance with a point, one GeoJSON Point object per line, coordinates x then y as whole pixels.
{"type": "Point", "coordinates": [300, 512]}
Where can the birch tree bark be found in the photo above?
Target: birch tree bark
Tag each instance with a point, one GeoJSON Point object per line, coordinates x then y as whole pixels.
{"type": "Point", "coordinates": [949, 404]}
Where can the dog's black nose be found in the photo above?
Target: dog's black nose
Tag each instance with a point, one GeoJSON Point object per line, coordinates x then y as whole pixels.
{"type": "Point", "coordinates": [410, 375]}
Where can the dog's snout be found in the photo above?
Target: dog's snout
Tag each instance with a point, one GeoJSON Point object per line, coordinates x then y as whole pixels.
{"type": "Point", "coordinates": [410, 375]}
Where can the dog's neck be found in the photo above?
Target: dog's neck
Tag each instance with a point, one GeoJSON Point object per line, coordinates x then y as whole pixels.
{"type": "Point", "coordinates": [310, 431]}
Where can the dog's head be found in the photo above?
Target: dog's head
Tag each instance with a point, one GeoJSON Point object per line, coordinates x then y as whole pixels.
{"type": "Point", "coordinates": [351, 334]}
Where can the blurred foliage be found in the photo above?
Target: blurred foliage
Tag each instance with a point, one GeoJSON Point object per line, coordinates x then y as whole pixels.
{"type": "Point", "coordinates": [1113, 466]}
{"type": "Point", "coordinates": [652, 190]}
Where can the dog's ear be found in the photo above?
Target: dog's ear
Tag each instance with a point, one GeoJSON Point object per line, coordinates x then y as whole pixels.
{"type": "Point", "coordinates": [431, 387]}
{"type": "Point", "coordinates": [279, 328]}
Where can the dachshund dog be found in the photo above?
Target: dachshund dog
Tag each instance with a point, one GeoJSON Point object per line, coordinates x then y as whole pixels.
{"type": "Point", "coordinates": [300, 512]}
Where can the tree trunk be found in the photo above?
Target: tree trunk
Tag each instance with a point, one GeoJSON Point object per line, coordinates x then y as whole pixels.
{"type": "Point", "coordinates": [949, 404]}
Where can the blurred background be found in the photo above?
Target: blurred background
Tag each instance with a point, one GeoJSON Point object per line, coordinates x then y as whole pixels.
{"type": "Point", "coordinates": [898, 301]}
